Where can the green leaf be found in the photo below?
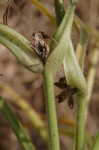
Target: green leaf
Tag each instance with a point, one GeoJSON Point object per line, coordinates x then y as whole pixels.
{"type": "Point", "coordinates": [62, 35]}
{"type": "Point", "coordinates": [21, 48]}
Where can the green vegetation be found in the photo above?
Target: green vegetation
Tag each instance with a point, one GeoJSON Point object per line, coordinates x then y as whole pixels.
{"type": "Point", "coordinates": [61, 52]}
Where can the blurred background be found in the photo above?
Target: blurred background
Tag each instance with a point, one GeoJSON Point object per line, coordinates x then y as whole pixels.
{"type": "Point", "coordinates": [25, 18]}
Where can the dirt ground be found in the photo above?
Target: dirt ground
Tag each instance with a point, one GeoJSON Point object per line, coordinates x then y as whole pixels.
{"type": "Point", "coordinates": [26, 19]}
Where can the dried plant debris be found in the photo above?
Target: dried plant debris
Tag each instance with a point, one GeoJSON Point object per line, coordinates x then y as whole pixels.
{"type": "Point", "coordinates": [67, 92]}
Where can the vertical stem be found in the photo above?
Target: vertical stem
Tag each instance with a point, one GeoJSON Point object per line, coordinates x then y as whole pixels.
{"type": "Point", "coordinates": [76, 79]}
{"type": "Point", "coordinates": [59, 9]}
{"type": "Point", "coordinates": [51, 111]}
{"type": "Point", "coordinates": [96, 144]}
{"type": "Point", "coordinates": [82, 101]}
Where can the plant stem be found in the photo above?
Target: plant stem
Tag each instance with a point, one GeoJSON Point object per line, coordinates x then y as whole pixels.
{"type": "Point", "coordinates": [90, 83]}
{"type": "Point", "coordinates": [96, 144]}
{"type": "Point", "coordinates": [72, 75]}
{"type": "Point", "coordinates": [82, 105]}
{"type": "Point", "coordinates": [76, 79]}
{"type": "Point", "coordinates": [59, 9]}
{"type": "Point", "coordinates": [51, 111]}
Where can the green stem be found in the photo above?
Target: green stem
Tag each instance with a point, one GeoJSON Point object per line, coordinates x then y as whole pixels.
{"type": "Point", "coordinates": [76, 79]}
{"type": "Point", "coordinates": [90, 82]}
{"type": "Point", "coordinates": [16, 126]}
{"type": "Point", "coordinates": [82, 105]}
{"type": "Point", "coordinates": [51, 111]}
{"type": "Point", "coordinates": [59, 9]}
{"type": "Point", "coordinates": [96, 144]}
